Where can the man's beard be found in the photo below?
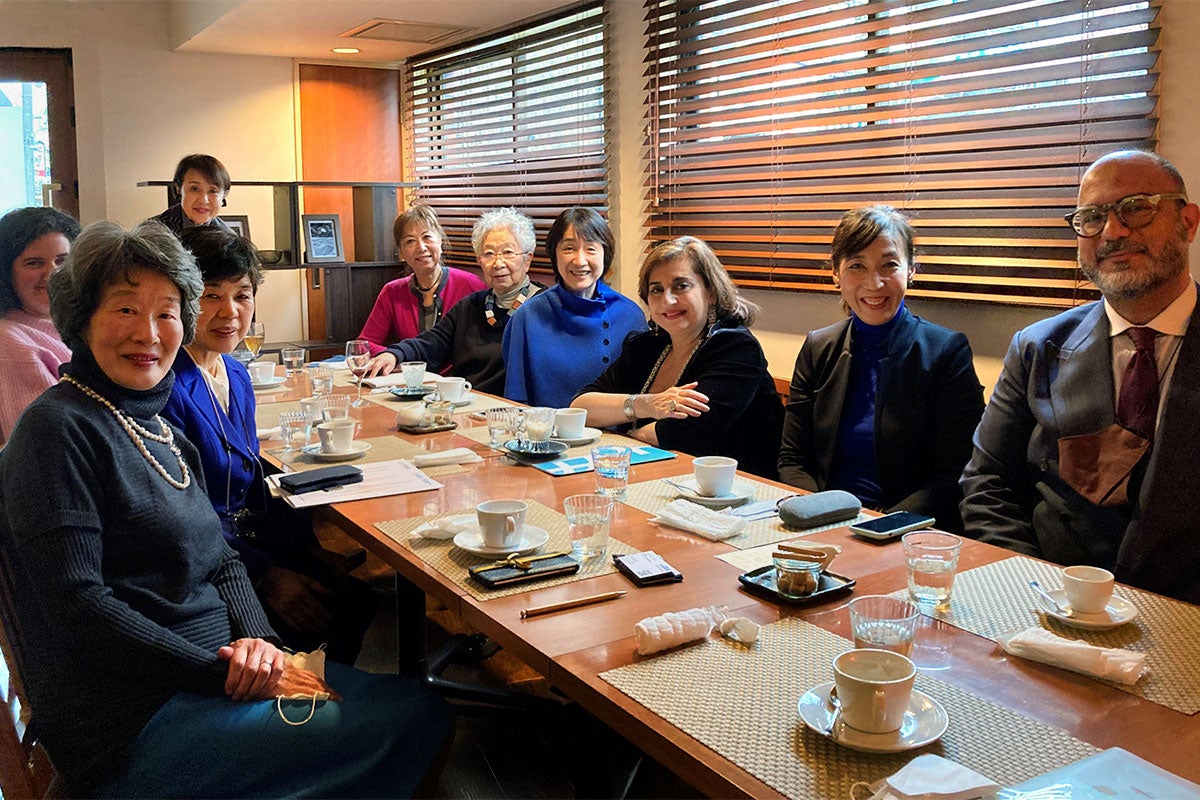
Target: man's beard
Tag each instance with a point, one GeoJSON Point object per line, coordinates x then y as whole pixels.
{"type": "Point", "coordinates": [1131, 282]}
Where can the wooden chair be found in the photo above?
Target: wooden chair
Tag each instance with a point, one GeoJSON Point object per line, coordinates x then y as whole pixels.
{"type": "Point", "coordinates": [25, 768]}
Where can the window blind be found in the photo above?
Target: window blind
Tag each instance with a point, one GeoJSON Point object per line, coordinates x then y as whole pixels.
{"type": "Point", "coordinates": [516, 118]}
{"type": "Point", "coordinates": [975, 117]}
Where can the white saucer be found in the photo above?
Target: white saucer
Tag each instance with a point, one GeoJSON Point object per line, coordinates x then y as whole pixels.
{"type": "Point", "coordinates": [1118, 612]}
{"type": "Point", "coordinates": [924, 721]}
{"type": "Point", "coordinates": [531, 539]}
{"type": "Point", "coordinates": [273, 383]}
{"type": "Point", "coordinates": [589, 435]}
{"type": "Point", "coordinates": [736, 497]}
{"type": "Point", "coordinates": [465, 400]}
{"type": "Point", "coordinates": [356, 450]}
{"type": "Point", "coordinates": [461, 523]}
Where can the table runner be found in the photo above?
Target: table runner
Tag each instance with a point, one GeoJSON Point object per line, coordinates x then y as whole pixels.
{"type": "Point", "coordinates": [478, 402]}
{"type": "Point", "coordinates": [479, 434]}
{"type": "Point", "coordinates": [383, 448]}
{"type": "Point", "coordinates": [651, 496]}
{"type": "Point", "coordinates": [995, 599]}
{"type": "Point", "coordinates": [740, 700]}
{"type": "Point", "coordinates": [454, 562]}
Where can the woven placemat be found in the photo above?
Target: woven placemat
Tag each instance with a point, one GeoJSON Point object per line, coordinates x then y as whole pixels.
{"type": "Point", "coordinates": [266, 415]}
{"type": "Point", "coordinates": [383, 448]}
{"type": "Point", "coordinates": [996, 599]}
{"type": "Point", "coordinates": [756, 557]}
{"type": "Point", "coordinates": [477, 402]}
{"type": "Point", "coordinates": [454, 562]}
{"type": "Point", "coordinates": [651, 496]}
{"type": "Point", "coordinates": [480, 434]}
{"type": "Point", "coordinates": [740, 700]}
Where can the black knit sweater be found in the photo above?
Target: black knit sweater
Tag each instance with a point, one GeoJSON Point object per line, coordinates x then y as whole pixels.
{"type": "Point", "coordinates": [123, 584]}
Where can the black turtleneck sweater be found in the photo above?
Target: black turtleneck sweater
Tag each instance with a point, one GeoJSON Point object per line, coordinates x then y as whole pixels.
{"type": "Point", "coordinates": [123, 584]}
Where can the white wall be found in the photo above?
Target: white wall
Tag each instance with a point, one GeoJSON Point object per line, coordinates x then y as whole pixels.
{"type": "Point", "coordinates": [139, 107]}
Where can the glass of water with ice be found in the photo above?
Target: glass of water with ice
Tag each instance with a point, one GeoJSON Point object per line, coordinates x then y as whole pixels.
{"type": "Point", "coordinates": [932, 561]}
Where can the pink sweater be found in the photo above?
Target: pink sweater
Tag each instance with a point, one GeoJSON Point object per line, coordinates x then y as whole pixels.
{"type": "Point", "coordinates": [30, 353]}
{"type": "Point", "coordinates": [396, 317]}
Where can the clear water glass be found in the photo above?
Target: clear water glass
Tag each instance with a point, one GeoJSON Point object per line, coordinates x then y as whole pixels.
{"type": "Point", "coordinates": [295, 427]}
{"type": "Point", "coordinates": [932, 559]}
{"type": "Point", "coordinates": [881, 622]}
{"type": "Point", "coordinates": [293, 359]}
{"type": "Point", "coordinates": [539, 422]}
{"type": "Point", "coordinates": [589, 517]}
{"type": "Point", "coordinates": [413, 373]}
{"type": "Point", "coordinates": [322, 380]}
{"type": "Point", "coordinates": [335, 406]}
{"type": "Point", "coordinates": [501, 423]}
{"type": "Point", "coordinates": [612, 470]}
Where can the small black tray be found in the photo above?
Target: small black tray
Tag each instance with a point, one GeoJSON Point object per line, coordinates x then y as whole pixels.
{"type": "Point", "coordinates": [530, 452]}
{"type": "Point", "coordinates": [426, 428]}
{"type": "Point", "coordinates": [405, 394]}
{"type": "Point", "coordinates": [761, 582]}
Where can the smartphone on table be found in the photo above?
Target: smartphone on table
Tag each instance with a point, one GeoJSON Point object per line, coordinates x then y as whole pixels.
{"type": "Point", "coordinates": [889, 526]}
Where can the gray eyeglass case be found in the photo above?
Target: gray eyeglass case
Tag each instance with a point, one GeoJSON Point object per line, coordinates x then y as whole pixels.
{"type": "Point", "coordinates": [820, 508]}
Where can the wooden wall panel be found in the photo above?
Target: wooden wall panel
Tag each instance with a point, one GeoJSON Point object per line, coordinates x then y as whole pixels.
{"type": "Point", "coordinates": [349, 131]}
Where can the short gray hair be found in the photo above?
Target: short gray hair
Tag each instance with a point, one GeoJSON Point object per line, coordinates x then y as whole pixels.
{"type": "Point", "coordinates": [106, 254]}
{"type": "Point", "coordinates": [520, 225]}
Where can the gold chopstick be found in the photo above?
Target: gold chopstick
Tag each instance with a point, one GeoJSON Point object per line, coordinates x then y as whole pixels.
{"type": "Point", "coordinates": [576, 603]}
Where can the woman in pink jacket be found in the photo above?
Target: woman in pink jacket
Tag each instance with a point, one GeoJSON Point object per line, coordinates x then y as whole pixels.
{"type": "Point", "coordinates": [33, 242]}
{"type": "Point", "coordinates": [415, 303]}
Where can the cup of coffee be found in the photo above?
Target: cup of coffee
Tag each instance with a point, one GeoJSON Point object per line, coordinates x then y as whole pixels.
{"type": "Point", "coordinates": [714, 475]}
{"type": "Point", "coordinates": [569, 422]}
{"type": "Point", "coordinates": [451, 388]}
{"type": "Point", "coordinates": [413, 373]}
{"type": "Point", "coordinates": [502, 522]}
{"type": "Point", "coordinates": [1088, 589]}
{"type": "Point", "coordinates": [874, 687]}
{"type": "Point", "coordinates": [261, 371]}
{"type": "Point", "coordinates": [337, 435]}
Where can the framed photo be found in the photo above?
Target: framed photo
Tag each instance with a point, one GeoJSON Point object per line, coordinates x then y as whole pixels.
{"type": "Point", "coordinates": [322, 237]}
{"type": "Point", "coordinates": [239, 224]}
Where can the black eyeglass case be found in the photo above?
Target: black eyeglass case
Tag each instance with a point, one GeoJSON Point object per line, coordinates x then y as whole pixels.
{"type": "Point", "coordinates": [315, 480]}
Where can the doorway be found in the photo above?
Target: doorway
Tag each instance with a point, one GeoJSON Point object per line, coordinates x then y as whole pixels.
{"type": "Point", "coordinates": [37, 130]}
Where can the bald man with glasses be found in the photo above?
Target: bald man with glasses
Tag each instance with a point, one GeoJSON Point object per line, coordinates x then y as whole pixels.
{"type": "Point", "coordinates": [1085, 451]}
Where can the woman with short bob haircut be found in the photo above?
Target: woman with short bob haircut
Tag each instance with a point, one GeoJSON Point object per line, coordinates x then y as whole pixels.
{"type": "Point", "coordinates": [883, 404]}
{"type": "Point", "coordinates": [151, 664]}
{"type": "Point", "coordinates": [412, 304]}
{"type": "Point", "coordinates": [567, 335]}
{"type": "Point", "coordinates": [202, 183]}
{"type": "Point", "coordinates": [697, 381]}
{"type": "Point", "coordinates": [33, 243]}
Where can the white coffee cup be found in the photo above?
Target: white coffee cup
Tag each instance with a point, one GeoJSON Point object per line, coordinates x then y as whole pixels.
{"type": "Point", "coordinates": [874, 687]}
{"type": "Point", "coordinates": [714, 475]}
{"type": "Point", "coordinates": [502, 522]}
{"type": "Point", "coordinates": [1088, 589]}
{"type": "Point", "coordinates": [337, 435]}
{"type": "Point", "coordinates": [261, 371]}
{"type": "Point", "coordinates": [568, 423]}
{"type": "Point", "coordinates": [452, 388]}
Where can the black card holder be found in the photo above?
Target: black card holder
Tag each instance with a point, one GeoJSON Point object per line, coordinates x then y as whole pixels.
{"type": "Point", "coordinates": [315, 480]}
{"type": "Point", "coordinates": [667, 575]}
{"type": "Point", "coordinates": [496, 575]}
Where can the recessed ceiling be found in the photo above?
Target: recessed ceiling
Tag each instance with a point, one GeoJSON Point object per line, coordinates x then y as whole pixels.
{"type": "Point", "coordinates": [389, 30]}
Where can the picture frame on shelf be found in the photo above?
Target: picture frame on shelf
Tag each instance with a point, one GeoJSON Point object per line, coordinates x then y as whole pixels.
{"type": "Point", "coordinates": [322, 238]}
{"type": "Point", "coordinates": [238, 223]}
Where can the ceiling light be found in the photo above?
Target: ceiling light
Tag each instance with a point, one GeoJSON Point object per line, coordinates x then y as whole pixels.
{"type": "Point", "coordinates": [345, 50]}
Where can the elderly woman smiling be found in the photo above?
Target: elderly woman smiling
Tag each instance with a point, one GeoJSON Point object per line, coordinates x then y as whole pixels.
{"type": "Point", "coordinates": [471, 334]}
{"type": "Point", "coordinates": [33, 243]}
{"type": "Point", "coordinates": [150, 662]}
{"type": "Point", "coordinates": [697, 381]}
{"type": "Point", "coordinates": [571, 332]}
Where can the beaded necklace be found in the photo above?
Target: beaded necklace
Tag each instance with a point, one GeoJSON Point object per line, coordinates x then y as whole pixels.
{"type": "Point", "coordinates": [663, 357]}
{"type": "Point", "coordinates": [136, 433]}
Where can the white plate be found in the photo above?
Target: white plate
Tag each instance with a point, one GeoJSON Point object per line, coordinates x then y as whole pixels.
{"type": "Point", "coordinates": [924, 721]}
{"type": "Point", "coordinates": [273, 383]}
{"type": "Point", "coordinates": [1118, 612]}
{"type": "Point", "coordinates": [531, 539]}
{"type": "Point", "coordinates": [589, 435]}
{"type": "Point", "coordinates": [356, 450]}
{"type": "Point", "coordinates": [736, 497]}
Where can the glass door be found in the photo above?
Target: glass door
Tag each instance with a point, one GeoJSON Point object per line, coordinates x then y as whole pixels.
{"type": "Point", "coordinates": [37, 130]}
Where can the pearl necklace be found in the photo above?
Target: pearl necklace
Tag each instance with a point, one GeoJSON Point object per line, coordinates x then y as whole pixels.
{"type": "Point", "coordinates": [136, 432]}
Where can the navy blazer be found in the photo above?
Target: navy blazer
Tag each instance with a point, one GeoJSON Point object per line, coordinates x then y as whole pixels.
{"type": "Point", "coordinates": [927, 403]}
{"type": "Point", "coordinates": [1057, 381]}
{"type": "Point", "coordinates": [228, 445]}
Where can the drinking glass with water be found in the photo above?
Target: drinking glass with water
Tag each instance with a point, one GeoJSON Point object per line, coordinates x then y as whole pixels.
{"type": "Point", "coordinates": [612, 470]}
{"type": "Point", "coordinates": [932, 561]}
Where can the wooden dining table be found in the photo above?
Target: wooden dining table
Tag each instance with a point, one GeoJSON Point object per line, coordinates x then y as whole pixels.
{"type": "Point", "coordinates": [573, 648]}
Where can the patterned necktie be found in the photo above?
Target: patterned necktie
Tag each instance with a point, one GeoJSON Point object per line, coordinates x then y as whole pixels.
{"type": "Point", "coordinates": [1137, 405]}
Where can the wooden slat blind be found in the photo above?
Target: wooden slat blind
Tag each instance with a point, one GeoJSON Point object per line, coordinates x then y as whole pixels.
{"type": "Point", "coordinates": [514, 119]}
{"type": "Point", "coordinates": [768, 119]}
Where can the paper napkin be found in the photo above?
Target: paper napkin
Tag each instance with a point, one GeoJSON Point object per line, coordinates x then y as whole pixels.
{"type": "Point", "coordinates": [698, 519]}
{"type": "Point", "coordinates": [1110, 663]}
{"type": "Point", "coordinates": [458, 455]}
{"type": "Point", "coordinates": [930, 777]}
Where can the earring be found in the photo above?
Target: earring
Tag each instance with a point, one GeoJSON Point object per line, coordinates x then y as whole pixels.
{"type": "Point", "coordinates": [653, 326]}
{"type": "Point", "coordinates": [712, 315]}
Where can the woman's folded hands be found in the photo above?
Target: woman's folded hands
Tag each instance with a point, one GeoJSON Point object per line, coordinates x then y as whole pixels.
{"type": "Point", "coordinates": [258, 670]}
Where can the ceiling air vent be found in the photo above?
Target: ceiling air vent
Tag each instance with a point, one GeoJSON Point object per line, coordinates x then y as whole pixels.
{"type": "Point", "coordinates": [394, 30]}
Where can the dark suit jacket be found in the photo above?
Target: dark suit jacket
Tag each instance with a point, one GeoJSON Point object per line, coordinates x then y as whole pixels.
{"type": "Point", "coordinates": [927, 403]}
{"type": "Point", "coordinates": [1057, 381]}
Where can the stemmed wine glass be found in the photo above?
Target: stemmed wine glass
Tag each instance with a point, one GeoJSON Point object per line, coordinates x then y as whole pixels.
{"type": "Point", "coordinates": [255, 336]}
{"type": "Point", "coordinates": [358, 356]}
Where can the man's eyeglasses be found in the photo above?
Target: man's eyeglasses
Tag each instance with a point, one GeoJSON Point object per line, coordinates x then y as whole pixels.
{"type": "Point", "coordinates": [1135, 211]}
{"type": "Point", "coordinates": [489, 257]}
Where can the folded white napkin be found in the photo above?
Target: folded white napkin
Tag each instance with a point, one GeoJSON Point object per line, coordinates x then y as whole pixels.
{"type": "Point", "coordinates": [382, 381]}
{"type": "Point", "coordinates": [930, 777]}
{"type": "Point", "coordinates": [410, 414]}
{"type": "Point", "coordinates": [446, 527]}
{"type": "Point", "coordinates": [1110, 663]}
{"type": "Point", "coordinates": [458, 455]}
{"type": "Point", "coordinates": [688, 516]}
{"type": "Point", "coordinates": [269, 433]}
